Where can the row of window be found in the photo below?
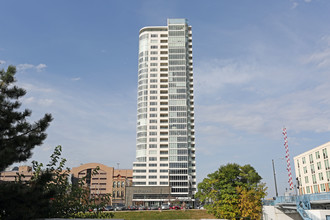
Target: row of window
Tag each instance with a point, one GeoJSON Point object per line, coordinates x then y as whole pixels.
{"type": "Point", "coordinates": [317, 156]}
{"type": "Point", "coordinates": [319, 167]}
{"type": "Point", "coordinates": [151, 171]}
{"type": "Point", "coordinates": [118, 184]}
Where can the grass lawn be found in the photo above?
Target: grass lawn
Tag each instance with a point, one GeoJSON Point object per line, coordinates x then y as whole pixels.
{"type": "Point", "coordinates": [165, 214]}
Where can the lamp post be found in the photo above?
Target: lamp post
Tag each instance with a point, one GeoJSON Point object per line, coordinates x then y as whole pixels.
{"type": "Point", "coordinates": [275, 179]}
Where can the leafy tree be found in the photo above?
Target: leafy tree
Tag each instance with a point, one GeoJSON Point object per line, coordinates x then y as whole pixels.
{"type": "Point", "coordinates": [49, 193]}
{"type": "Point", "coordinates": [68, 199]}
{"type": "Point", "coordinates": [17, 136]}
{"type": "Point", "coordinates": [224, 191]}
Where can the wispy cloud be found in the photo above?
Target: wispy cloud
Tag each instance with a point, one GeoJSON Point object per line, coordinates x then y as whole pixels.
{"type": "Point", "coordinates": [321, 57]}
{"type": "Point", "coordinates": [26, 66]}
{"type": "Point", "coordinates": [76, 79]}
{"type": "Point", "coordinates": [2, 62]}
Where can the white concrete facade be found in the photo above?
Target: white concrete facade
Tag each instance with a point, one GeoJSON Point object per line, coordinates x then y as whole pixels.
{"type": "Point", "coordinates": [165, 147]}
{"type": "Point", "coordinates": [313, 170]}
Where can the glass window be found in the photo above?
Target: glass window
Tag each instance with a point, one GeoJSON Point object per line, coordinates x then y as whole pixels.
{"type": "Point", "coordinates": [306, 179]}
{"type": "Point", "coordinates": [325, 153]}
{"type": "Point", "coordinates": [311, 158]}
{"type": "Point", "coordinates": [320, 176]}
{"type": "Point", "coordinates": [323, 187]}
{"type": "Point", "coordinates": [152, 158]}
{"type": "Point", "coordinates": [317, 155]}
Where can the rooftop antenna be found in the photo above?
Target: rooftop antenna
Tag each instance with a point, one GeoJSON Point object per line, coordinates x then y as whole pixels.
{"type": "Point", "coordinates": [118, 165]}
{"type": "Point", "coordinates": [287, 156]}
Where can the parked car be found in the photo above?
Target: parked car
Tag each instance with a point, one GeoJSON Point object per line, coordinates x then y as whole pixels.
{"type": "Point", "coordinates": [165, 207]}
{"type": "Point", "coordinates": [175, 207]}
{"type": "Point", "coordinates": [120, 207]}
{"type": "Point", "coordinates": [108, 208]}
{"type": "Point", "coordinates": [133, 207]}
{"type": "Point", "coordinates": [143, 208]}
{"type": "Point", "coordinates": [154, 207]}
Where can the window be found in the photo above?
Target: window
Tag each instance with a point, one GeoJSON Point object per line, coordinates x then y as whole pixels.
{"type": "Point", "coordinates": [312, 168]}
{"type": "Point", "coordinates": [303, 160]}
{"type": "Point", "coordinates": [320, 176]}
{"type": "Point", "coordinates": [152, 121]}
{"type": "Point", "coordinates": [326, 164]}
{"type": "Point", "coordinates": [317, 155]}
{"type": "Point", "coordinates": [153, 177]}
{"type": "Point", "coordinates": [316, 189]}
{"type": "Point", "coordinates": [308, 190]}
{"type": "Point", "coordinates": [153, 47]}
{"type": "Point", "coordinates": [325, 153]}
{"type": "Point", "coordinates": [328, 176]}
{"type": "Point", "coordinates": [153, 58]}
{"type": "Point", "coordinates": [319, 166]}
{"type": "Point", "coordinates": [152, 152]}
{"type": "Point", "coordinates": [152, 183]}
{"type": "Point", "coordinates": [152, 165]}
{"type": "Point", "coordinates": [152, 158]}
{"type": "Point", "coordinates": [152, 139]}
{"type": "Point", "coordinates": [154, 35]}
{"type": "Point", "coordinates": [152, 145]}
{"type": "Point", "coordinates": [152, 171]}
{"type": "Point", "coordinates": [314, 178]}
{"type": "Point", "coordinates": [306, 179]}
{"type": "Point", "coordinates": [311, 158]}
{"type": "Point", "coordinates": [322, 187]}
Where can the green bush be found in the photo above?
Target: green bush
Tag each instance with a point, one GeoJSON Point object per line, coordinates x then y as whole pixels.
{"type": "Point", "coordinates": [93, 215]}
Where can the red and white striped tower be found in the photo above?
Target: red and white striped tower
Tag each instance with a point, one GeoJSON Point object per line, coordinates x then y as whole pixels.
{"type": "Point", "coordinates": [287, 156]}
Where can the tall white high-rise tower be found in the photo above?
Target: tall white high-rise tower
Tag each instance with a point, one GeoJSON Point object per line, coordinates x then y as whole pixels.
{"type": "Point", "coordinates": [165, 146]}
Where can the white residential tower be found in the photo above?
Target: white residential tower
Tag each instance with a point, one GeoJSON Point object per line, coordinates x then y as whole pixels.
{"type": "Point", "coordinates": [165, 147]}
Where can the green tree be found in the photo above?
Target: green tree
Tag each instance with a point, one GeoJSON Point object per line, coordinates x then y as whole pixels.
{"type": "Point", "coordinates": [49, 194]}
{"type": "Point", "coordinates": [224, 191]}
{"type": "Point", "coordinates": [68, 199]}
{"type": "Point", "coordinates": [17, 136]}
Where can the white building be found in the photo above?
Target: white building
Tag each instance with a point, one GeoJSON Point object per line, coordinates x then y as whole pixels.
{"type": "Point", "coordinates": [313, 170]}
{"type": "Point", "coordinates": [165, 147]}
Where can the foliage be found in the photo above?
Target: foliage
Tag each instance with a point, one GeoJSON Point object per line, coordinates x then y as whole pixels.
{"type": "Point", "coordinates": [224, 191]}
{"type": "Point", "coordinates": [17, 136]}
{"type": "Point", "coordinates": [250, 201]}
{"type": "Point", "coordinates": [98, 215]}
{"type": "Point", "coordinates": [48, 194]}
{"type": "Point", "coordinates": [69, 199]}
{"type": "Point", "coordinates": [21, 201]}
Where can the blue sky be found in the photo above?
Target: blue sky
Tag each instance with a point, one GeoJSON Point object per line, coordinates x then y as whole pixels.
{"type": "Point", "coordinates": [258, 66]}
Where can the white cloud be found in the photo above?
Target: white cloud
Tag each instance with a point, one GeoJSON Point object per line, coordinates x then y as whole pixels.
{"type": "Point", "coordinates": [322, 57]}
{"type": "Point", "coordinates": [76, 79]}
{"type": "Point", "coordinates": [24, 67]}
{"type": "Point", "coordinates": [41, 67]}
{"type": "Point", "coordinates": [215, 74]}
{"type": "Point", "coordinates": [294, 5]}
{"type": "Point", "coordinates": [2, 62]}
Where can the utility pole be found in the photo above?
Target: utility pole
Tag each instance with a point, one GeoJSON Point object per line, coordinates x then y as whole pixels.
{"type": "Point", "coordinates": [275, 178]}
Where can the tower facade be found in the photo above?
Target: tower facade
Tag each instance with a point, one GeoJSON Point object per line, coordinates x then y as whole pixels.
{"type": "Point", "coordinates": [165, 146]}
